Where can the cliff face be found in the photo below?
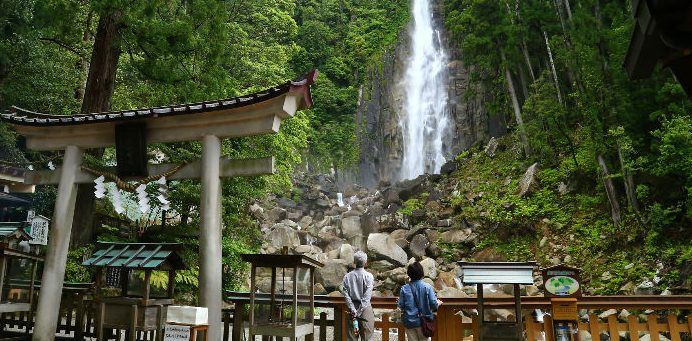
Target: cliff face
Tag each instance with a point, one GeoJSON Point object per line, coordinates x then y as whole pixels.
{"type": "Point", "coordinates": [381, 101]}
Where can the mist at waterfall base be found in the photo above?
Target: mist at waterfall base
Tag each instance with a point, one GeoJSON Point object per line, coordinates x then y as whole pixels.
{"type": "Point", "coordinates": [425, 123]}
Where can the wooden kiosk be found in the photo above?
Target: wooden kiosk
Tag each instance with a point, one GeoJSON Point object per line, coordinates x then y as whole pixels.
{"type": "Point", "coordinates": [515, 273]}
{"type": "Point", "coordinates": [18, 266]}
{"type": "Point", "coordinates": [136, 308]}
{"type": "Point", "coordinates": [276, 308]}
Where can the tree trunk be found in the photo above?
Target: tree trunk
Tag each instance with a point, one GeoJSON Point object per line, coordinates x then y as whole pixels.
{"type": "Point", "coordinates": [552, 68]}
{"type": "Point", "coordinates": [97, 98]}
{"type": "Point", "coordinates": [629, 181]}
{"type": "Point", "coordinates": [610, 191]}
{"type": "Point", "coordinates": [525, 51]}
{"type": "Point", "coordinates": [82, 63]}
{"type": "Point", "coordinates": [568, 10]}
{"type": "Point", "coordinates": [517, 108]}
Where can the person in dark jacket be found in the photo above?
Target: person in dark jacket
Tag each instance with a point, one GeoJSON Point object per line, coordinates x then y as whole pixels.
{"type": "Point", "coordinates": [425, 302]}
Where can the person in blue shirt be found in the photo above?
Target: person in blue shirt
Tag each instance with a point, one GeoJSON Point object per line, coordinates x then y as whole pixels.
{"type": "Point", "coordinates": [426, 302]}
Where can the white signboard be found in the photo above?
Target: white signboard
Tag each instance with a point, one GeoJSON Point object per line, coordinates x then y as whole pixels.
{"type": "Point", "coordinates": [39, 230]}
{"type": "Point", "coordinates": [30, 215]}
{"type": "Point", "coordinates": [176, 333]}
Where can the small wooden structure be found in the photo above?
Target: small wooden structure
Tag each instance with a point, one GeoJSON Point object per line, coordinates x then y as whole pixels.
{"type": "Point", "coordinates": [514, 273]}
{"type": "Point", "coordinates": [136, 309]}
{"type": "Point", "coordinates": [285, 315]}
{"type": "Point", "coordinates": [17, 268]}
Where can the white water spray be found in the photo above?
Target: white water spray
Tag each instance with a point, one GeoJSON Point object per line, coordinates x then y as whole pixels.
{"type": "Point", "coordinates": [426, 123]}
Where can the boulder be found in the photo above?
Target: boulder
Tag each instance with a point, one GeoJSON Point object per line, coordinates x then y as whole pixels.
{"type": "Point", "coordinates": [449, 167]}
{"type": "Point", "coordinates": [399, 237]}
{"type": "Point", "coordinates": [646, 287]}
{"type": "Point", "coordinates": [329, 233]}
{"type": "Point", "coordinates": [286, 202]}
{"type": "Point", "coordinates": [418, 245]}
{"type": "Point", "coordinates": [447, 279]}
{"type": "Point", "coordinates": [332, 273]}
{"type": "Point", "coordinates": [257, 211]}
{"type": "Point", "coordinates": [346, 253]}
{"type": "Point", "coordinates": [458, 236]}
{"type": "Point", "coordinates": [529, 183]}
{"type": "Point", "coordinates": [281, 236]}
{"type": "Point", "coordinates": [305, 221]}
{"type": "Point", "coordinates": [380, 266]}
{"type": "Point", "coordinates": [451, 292]}
{"type": "Point", "coordinates": [491, 147]}
{"type": "Point", "coordinates": [429, 268]}
{"type": "Point", "coordinates": [384, 247]}
{"type": "Point", "coordinates": [350, 227]}
{"type": "Point", "coordinates": [276, 214]}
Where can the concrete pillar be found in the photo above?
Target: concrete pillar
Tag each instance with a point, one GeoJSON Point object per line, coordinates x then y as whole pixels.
{"type": "Point", "coordinates": [210, 270]}
{"type": "Point", "coordinates": [58, 245]}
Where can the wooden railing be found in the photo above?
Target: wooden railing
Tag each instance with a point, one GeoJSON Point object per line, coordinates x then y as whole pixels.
{"type": "Point", "coordinates": [670, 318]}
{"type": "Point", "coordinates": [452, 326]}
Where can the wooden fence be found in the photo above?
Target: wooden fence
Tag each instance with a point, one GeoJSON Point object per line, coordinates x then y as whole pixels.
{"type": "Point", "coordinates": [670, 319]}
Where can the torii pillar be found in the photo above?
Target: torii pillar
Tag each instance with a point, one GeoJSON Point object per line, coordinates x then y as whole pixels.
{"type": "Point", "coordinates": [255, 114]}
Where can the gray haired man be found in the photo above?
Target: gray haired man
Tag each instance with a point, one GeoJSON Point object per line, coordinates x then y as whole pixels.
{"type": "Point", "coordinates": [357, 290]}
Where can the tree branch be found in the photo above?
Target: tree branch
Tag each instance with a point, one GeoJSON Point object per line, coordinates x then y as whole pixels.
{"type": "Point", "coordinates": [64, 45]}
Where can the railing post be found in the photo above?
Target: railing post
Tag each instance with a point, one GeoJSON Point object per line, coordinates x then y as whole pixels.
{"type": "Point", "coordinates": [238, 323]}
{"type": "Point", "coordinates": [339, 321]}
{"type": "Point", "coordinates": [79, 324]}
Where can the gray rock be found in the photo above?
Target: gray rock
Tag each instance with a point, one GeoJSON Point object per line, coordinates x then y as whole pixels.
{"type": "Point", "coordinates": [458, 236]}
{"type": "Point", "coordinates": [380, 266]}
{"type": "Point", "coordinates": [281, 236]}
{"type": "Point", "coordinates": [332, 273]}
{"type": "Point", "coordinates": [543, 241]}
{"type": "Point", "coordinates": [286, 202]}
{"type": "Point", "coordinates": [353, 213]}
{"type": "Point", "coordinates": [322, 203]}
{"type": "Point", "coordinates": [646, 287]}
{"type": "Point", "coordinates": [346, 253]}
{"type": "Point", "coordinates": [491, 147]}
{"type": "Point", "coordinates": [294, 215]}
{"type": "Point", "coordinates": [276, 214]}
{"type": "Point", "coordinates": [434, 251]}
{"type": "Point", "coordinates": [451, 292]}
{"type": "Point", "coordinates": [350, 227]}
{"type": "Point", "coordinates": [399, 237]}
{"type": "Point", "coordinates": [607, 313]}
{"type": "Point", "coordinates": [384, 247]}
{"type": "Point", "coordinates": [429, 268]}
{"type": "Point", "coordinates": [444, 223]}
{"type": "Point", "coordinates": [305, 221]}
{"type": "Point", "coordinates": [418, 245]}
{"type": "Point", "coordinates": [289, 223]}
{"type": "Point", "coordinates": [329, 233]}
{"type": "Point", "coordinates": [257, 211]}
{"type": "Point", "coordinates": [529, 183]}
{"type": "Point", "coordinates": [606, 276]}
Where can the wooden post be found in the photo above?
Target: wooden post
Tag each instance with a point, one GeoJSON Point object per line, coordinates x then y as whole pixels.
{"type": "Point", "coordinates": [517, 307]}
{"type": "Point", "coordinates": [3, 268]}
{"type": "Point", "coordinates": [58, 245]}
{"type": "Point", "coordinates": [295, 299]}
{"type": "Point", "coordinates": [481, 314]}
{"type": "Point", "coordinates": [238, 323]}
{"type": "Point", "coordinates": [253, 288]}
{"type": "Point", "coordinates": [210, 267]}
{"type": "Point", "coordinates": [147, 286]}
{"type": "Point", "coordinates": [133, 323]}
{"type": "Point", "coordinates": [171, 283]}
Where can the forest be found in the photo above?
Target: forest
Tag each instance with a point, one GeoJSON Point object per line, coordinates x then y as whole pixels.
{"type": "Point", "coordinates": [552, 67]}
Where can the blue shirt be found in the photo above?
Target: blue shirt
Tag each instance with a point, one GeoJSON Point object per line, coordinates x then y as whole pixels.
{"type": "Point", "coordinates": [426, 299]}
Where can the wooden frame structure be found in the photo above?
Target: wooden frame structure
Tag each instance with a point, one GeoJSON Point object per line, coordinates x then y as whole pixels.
{"type": "Point", "coordinates": [208, 122]}
{"type": "Point", "coordinates": [294, 328]}
{"type": "Point", "coordinates": [16, 295]}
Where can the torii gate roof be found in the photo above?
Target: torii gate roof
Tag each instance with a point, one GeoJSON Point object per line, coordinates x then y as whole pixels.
{"type": "Point", "coordinates": [253, 114]}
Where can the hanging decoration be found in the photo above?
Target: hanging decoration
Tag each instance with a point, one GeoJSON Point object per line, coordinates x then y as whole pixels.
{"type": "Point", "coordinates": [51, 166]}
{"type": "Point", "coordinates": [142, 198]}
{"type": "Point", "coordinates": [99, 188]}
{"type": "Point", "coordinates": [163, 194]}
{"type": "Point", "coordinates": [117, 199]}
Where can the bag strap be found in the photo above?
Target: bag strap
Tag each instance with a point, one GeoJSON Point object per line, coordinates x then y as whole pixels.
{"type": "Point", "coordinates": [415, 300]}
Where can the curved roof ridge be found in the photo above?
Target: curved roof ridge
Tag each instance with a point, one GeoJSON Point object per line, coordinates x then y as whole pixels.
{"type": "Point", "coordinates": [21, 116]}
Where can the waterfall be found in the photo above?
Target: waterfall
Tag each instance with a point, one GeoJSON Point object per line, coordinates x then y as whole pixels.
{"type": "Point", "coordinates": [425, 122]}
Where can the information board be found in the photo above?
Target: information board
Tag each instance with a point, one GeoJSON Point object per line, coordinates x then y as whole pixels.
{"type": "Point", "coordinates": [39, 230]}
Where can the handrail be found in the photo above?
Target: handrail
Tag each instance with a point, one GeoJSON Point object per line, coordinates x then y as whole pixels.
{"type": "Point", "coordinates": [527, 302]}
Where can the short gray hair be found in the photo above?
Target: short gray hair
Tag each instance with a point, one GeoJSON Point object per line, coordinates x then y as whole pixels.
{"type": "Point", "coordinates": [360, 258]}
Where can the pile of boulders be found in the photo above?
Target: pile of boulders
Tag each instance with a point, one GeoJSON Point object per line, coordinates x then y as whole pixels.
{"type": "Point", "coordinates": [329, 224]}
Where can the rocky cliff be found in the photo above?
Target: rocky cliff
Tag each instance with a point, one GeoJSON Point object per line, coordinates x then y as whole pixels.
{"type": "Point", "coordinates": [381, 100]}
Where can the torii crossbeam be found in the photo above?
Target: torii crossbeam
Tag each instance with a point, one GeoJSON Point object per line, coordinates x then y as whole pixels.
{"type": "Point", "coordinates": [255, 114]}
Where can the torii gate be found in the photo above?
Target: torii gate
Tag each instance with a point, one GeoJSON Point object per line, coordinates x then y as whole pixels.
{"type": "Point", "coordinates": [255, 114]}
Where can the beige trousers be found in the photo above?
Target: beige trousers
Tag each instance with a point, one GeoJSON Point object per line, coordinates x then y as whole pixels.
{"type": "Point", "coordinates": [366, 326]}
{"type": "Point", "coordinates": [415, 334]}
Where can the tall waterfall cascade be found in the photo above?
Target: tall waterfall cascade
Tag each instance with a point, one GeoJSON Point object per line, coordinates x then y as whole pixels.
{"type": "Point", "coordinates": [425, 121]}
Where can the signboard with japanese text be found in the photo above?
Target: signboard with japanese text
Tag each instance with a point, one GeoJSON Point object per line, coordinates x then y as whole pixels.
{"type": "Point", "coordinates": [176, 333]}
{"type": "Point", "coordinates": [39, 230]}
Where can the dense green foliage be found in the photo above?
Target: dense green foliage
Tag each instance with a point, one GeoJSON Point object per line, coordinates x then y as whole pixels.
{"type": "Point", "coordinates": [576, 107]}
{"type": "Point", "coordinates": [181, 52]}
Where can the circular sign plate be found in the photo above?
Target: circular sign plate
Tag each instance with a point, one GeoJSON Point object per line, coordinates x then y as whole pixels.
{"type": "Point", "coordinates": [561, 285]}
